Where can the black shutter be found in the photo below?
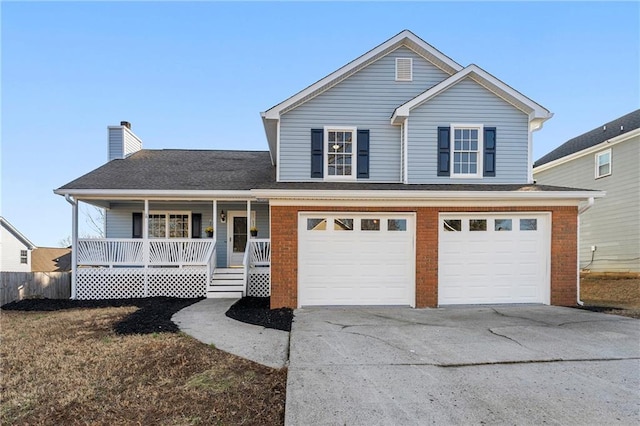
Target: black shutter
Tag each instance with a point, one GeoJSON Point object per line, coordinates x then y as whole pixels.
{"type": "Point", "coordinates": [444, 159]}
{"type": "Point", "coordinates": [136, 228]}
{"type": "Point", "coordinates": [363, 153]}
{"type": "Point", "coordinates": [196, 225]}
{"type": "Point", "coordinates": [489, 151]}
{"type": "Point", "coordinates": [317, 158]}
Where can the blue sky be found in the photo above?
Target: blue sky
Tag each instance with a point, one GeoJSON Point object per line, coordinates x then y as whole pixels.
{"type": "Point", "coordinates": [197, 75]}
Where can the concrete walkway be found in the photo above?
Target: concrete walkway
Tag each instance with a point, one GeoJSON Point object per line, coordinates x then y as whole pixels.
{"type": "Point", "coordinates": [472, 365]}
{"type": "Point", "coordinates": [207, 322]}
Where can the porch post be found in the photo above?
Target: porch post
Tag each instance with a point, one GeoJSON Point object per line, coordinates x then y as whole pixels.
{"type": "Point", "coordinates": [248, 220]}
{"type": "Point", "coordinates": [214, 220]}
{"type": "Point", "coordinates": [74, 249]}
{"type": "Point", "coordinates": [145, 246]}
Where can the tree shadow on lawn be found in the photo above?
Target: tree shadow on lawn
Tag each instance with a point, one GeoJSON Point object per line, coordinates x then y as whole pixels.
{"type": "Point", "coordinates": [153, 316]}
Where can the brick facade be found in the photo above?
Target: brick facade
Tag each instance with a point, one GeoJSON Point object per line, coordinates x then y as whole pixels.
{"type": "Point", "coordinates": [284, 250]}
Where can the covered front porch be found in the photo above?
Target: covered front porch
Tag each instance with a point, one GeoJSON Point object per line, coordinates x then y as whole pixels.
{"type": "Point", "coordinates": [173, 247]}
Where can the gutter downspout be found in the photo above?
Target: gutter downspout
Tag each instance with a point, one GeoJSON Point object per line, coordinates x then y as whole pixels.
{"type": "Point", "coordinates": [582, 209]}
{"type": "Point", "coordinates": [74, 243]}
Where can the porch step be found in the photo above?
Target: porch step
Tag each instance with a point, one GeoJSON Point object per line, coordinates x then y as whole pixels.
{"type": "Point", "coordinates": [226, 283]}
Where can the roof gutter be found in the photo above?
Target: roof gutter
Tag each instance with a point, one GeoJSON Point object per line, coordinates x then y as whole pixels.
{"type": "Point", "coordinates": [582, 209]}
{"type": "Point", "coordinates": [421, 195]}
{"type": "Point", "coordinates": [137, 194]}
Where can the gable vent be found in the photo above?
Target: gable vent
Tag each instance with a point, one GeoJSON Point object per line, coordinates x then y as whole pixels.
{"type": "Point", "coordinates": [404, 69]}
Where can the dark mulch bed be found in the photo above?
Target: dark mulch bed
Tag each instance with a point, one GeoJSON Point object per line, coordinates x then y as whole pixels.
{"type": "Point", "coordinates": [625, 312]}
{"type": "Point", "coordinates": [255, 310]}
{"type": "Point", "coordinates": [154, 315]}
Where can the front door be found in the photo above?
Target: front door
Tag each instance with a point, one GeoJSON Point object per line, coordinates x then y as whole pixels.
{"type": "Point", "coordinates": [236, 236]}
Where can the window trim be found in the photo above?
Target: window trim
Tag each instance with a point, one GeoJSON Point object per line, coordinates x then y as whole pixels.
{"type": "Point", "coordinates": [25, 257]}
{"type": "Point", "coordinates": [597, 163]}
{"type": "Point", "coordinates": [480, 152]}
{"type": "Point", "coordinates": [167, 213]}
{"type": "Point", "coordinates": [354, 152]}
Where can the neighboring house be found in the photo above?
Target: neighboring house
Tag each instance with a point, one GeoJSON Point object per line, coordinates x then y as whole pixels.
{"type": "Point", "coordinates": [51, 259]}
{"type": "Point", "coordinates": [15, 249]}
{"type": "Point", "coordinates": [608, 159]}
{"type": "Point", "coordinates": [403, 178]}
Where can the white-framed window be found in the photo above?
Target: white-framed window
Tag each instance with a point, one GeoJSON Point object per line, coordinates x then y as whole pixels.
{"type": "Point", "coordinates": [466, 150]}
{"type": "Point", "coordinates": [603, 163]}
{"type": "Point", "coordinates": [24, 257]}
{"type": "Point", "coordinates": [169, 224]}
{"type": "Point", "coordinates": [339, 153]}
{"type": "Point", "coordinates": [404, 69]}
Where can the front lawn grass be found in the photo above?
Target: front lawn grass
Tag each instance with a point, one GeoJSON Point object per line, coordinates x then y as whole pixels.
{"type": "Point", "coordinates": [71, 367]}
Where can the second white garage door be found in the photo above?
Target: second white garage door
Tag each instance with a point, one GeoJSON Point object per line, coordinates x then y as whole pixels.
{"type": "Point", "coordinates": [356, 259]}
{"type": "Point", "coordinates": [493, 258]}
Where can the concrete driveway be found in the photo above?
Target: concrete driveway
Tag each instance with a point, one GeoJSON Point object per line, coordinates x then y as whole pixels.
{"type": "Point", "coordinates": [472, 365]}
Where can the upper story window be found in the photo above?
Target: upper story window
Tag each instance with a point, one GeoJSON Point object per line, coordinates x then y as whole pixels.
{"type": "Point", "coordinates": [404, 69]}
{"type": "Point", "coordinates": [466, 143]}
{"type": "Point", "coordinates": [339, 159]}
{"type": "Point", "coordinates": [169, 225]}
{"type": "Point", "coordinates": [23, 257]}
{"type": "Point", "coordinates": [603, 163]}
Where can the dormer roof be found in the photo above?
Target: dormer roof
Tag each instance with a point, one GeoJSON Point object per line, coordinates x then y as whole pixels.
{"type": "Point", "coordinates": [537, 113]}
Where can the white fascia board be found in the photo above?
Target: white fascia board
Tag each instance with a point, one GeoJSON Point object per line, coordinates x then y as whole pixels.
{"type": "Point", "coordinates": [587, 151]}
{"type": "Point", "coordinates": [274, 112]}
{"type": "Point", "coordinates": [412, 204]}
{"type": "Point", "coordinates": [130, 194]}
{"type": "Point", "coordinates": [537, 112]}
{"type": "Point", "coordinates": [300, 194]}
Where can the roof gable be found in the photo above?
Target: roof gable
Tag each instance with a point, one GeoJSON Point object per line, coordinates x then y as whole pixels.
{"type": "Point", "coordinates": [12, 230]}
{"type": "Point", "coordinates": [404, 38]}
{"type": "Point", "coordinates": [537, 113]}
{"type": "Point", "coordinates": [613, 129]}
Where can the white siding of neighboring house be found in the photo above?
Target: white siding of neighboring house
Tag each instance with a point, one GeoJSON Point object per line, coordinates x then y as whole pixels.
{"type": "Point", "coordinates": [10, 247]}
{"type": "Point", "coordinates": [365, 100]}
{"type": "Point", "coordinates": [120, 220]}
{"type": "Point", "coordinates": [613, 223]}
{"type": "Point", "coordinates": [470, 103]}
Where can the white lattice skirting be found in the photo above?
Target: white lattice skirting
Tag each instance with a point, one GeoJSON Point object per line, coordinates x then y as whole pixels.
{"type": "Point", "coordinates": [121, 283]}
{"type": "Point", "coordinates": [259, 284]}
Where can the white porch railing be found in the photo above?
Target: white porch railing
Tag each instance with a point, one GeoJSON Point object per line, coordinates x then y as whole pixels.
{"type": "Point", "coordinates": [151, 252]}
{"type": "Point", "coordinates": [257, 267]}
{"type": "Point", "coordinates": [121, 268]}
{"type": "Point", "coordinates": [260, 249]}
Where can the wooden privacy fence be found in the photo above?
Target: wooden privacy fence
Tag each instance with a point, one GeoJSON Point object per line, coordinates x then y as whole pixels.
{"type": "Point", "coordinates": [24, 285]}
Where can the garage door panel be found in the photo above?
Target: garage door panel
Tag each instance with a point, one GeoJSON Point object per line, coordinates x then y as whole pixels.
{"type": "Point", "coordinates": [491, 266]}
{"type": "Point", "coordinates": [358, 266]}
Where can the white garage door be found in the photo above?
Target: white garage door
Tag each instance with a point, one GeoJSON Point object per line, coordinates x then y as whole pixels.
{"type": "Point", "coordinates": [356, 259]}
{"type": "Point", "coordinates": [493, 258]}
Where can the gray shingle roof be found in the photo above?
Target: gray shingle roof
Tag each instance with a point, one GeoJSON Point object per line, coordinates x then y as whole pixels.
{"type": "Point", "coordinates": [170, 169]}
{"type": "Point", "coordinates": [598, 135]}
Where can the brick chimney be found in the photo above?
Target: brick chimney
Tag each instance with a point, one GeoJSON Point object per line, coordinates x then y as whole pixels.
{"type": "Point", "coordinates": [122, 142]}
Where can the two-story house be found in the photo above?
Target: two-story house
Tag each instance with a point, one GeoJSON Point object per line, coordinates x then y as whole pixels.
{"type": "Point", "coordinates": [605, 158]}
{"type": "Point", "coordinates": [402, 178]}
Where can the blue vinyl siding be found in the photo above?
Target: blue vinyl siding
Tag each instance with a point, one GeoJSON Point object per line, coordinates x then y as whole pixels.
{"type": "Point", "coordinates": [469, 103]}
{"type": "Point", "coordinates": [366, 100]}
{"type": "Point", "coordinates": [119, 220]}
